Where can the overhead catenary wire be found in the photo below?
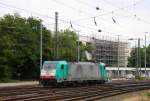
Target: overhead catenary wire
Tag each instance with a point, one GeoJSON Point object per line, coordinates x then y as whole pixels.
{"type": "Point", "coordinates": [63, 21]}
{"type": "Point", "coordinates": [95, 6]}
{"type": "Point", "coordinates": [134, 15]}
{"type": "Point", "coordinates": [41, 14]}
{"type": "Point", "coordinates": [114, 21]}
{"type": "Point", "coordinates": [122, 8]}
{"type": "Point", "coordinates": [67, 22]}
{"type": "Point", "coordinates": [107, 13]}
{"type": "Point", "coordinates": [25, 10]}
{"type": "Point", "coordinates": [68, 6]}
{"type": "Point", "coordinates": [115, 10]}
{"type": "Point", "coordinates": [46, 16]}
{"type": "Point", "coordinates": [89, 5]}
{"type": "Point", "coordinates": [86, 4]}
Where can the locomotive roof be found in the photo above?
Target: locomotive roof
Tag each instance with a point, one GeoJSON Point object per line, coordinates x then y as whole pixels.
{"type": "Point", "coordinates": [65, 62]}
{"type": "Point", "coordinates": [56, 62]}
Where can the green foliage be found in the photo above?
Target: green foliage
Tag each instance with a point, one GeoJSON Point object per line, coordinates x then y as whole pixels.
{"type": "Point", "coordinates": [147, 94]}
{"type": "Point", "coordinates": [132, 60]}
{"type": "Point", "coordinates": [20, 47]}
{"type": "Point", "coordinates": [19, 38]}
{"type": "Point", "coordinates": [90, 47]}
{"type": "Point", "coordinates": [140, 78]}
{"type": "Point", "coordinates": [68, 46]}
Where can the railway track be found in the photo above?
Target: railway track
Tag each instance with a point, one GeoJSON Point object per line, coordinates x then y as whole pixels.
{"type": "Point", "coordinates": [86, 93]}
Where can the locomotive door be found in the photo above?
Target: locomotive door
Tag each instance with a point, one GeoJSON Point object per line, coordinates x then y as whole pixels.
{"type": "Point", "coordinates": [64, 71]}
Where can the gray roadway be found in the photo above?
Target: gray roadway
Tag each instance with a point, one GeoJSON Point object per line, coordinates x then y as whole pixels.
{"type": "Point", "coordinates": [23, 83]}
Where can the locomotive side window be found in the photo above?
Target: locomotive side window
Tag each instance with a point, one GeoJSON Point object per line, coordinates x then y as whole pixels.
{"type": "Point", "coordinates": [104, 68]}
{"type": "Point", "coordinates": [62, 66]}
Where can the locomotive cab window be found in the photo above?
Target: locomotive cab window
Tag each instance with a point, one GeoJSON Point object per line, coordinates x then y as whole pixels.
{"type": "Point", "coordinates": [48, 66]}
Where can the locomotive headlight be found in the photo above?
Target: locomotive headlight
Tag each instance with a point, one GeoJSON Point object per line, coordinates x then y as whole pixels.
{"type": "Point", "coordinates": [43, 72]}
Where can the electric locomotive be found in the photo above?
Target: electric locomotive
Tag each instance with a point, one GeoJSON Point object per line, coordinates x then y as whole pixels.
{"type": "Point", "coordinates": [63, 72]}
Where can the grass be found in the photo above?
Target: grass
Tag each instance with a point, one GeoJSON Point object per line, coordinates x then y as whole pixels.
{"type": "Point", "coordinates": [147, 94]}
{"type": "Point", "coordinates": [141, 96]}
{"type": "Point", "coordinates": [13, 80]}
{"type": "Point", "coordinates": [140, 78]}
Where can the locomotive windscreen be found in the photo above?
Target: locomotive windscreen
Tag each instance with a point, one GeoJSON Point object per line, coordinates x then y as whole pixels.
{"type": "Point", "coordinates": [49, 66]}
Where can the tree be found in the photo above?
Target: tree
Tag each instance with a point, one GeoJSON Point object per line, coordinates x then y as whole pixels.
{"type": "Point", "coordinates": [133, 59]}
{"type": "Point", "coordinates": [68, 45]}
{"type": "Point", "coordinates": [20, 48]}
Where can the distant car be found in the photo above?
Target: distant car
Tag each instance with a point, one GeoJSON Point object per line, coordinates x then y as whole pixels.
{"type": "Point", "coordinates": [130, 76]}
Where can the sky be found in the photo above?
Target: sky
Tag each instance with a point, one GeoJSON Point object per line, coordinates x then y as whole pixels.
{"type": "Point", "coordinates": [126, 18]}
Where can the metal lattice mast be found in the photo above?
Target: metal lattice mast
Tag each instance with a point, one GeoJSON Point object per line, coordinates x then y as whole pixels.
{"type": "Point", "coordinates": [56, 35]}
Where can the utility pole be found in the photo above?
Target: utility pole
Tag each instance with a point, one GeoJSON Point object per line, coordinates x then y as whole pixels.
{"type": "Point", "coordinates": [78, 48]}
{"type": "Point", "coordinates": [56, 35]}
{"type": "Point", "coordinates": [145, 54]}
{"type": "Point", "coordinates": [118, 55]}
{"type": "Point", "coordinates": [139, 58]}
{"type": "Point", "coordinates": [41, 42]}
{"type": "Point", "coordinates": [136, 54]}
